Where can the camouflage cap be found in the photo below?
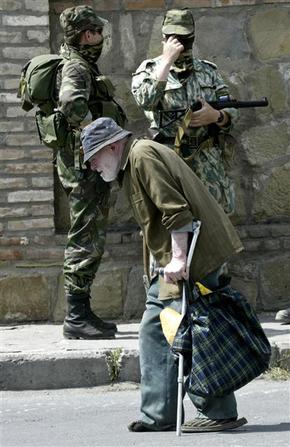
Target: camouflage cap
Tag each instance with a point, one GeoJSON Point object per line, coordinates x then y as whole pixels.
{"type": "Point", "coordinates": [178, 21]}
{"type": "Point", "coordinates": [79, 18]}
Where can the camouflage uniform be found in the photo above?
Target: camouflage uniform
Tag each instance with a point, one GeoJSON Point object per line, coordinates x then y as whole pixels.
{"type": "Point", "coordinates": [84, 94]}
{"type": "Point", "coordinates": [203, 81]}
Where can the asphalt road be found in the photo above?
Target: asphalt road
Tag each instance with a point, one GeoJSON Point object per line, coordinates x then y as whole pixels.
{"type": "Point", "coordinates": [98, 417]}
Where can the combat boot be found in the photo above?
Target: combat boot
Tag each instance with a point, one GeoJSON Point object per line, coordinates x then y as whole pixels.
{"type": "Point", "coordinates": [104, 325]}
{"type": "Point", "coordinates": [79, 323]}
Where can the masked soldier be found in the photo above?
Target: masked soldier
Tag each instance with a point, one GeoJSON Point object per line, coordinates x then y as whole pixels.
{"type": "Point", "coordinates": [84, 95]}
{"type": "Point", "coordinates": [174, 81]}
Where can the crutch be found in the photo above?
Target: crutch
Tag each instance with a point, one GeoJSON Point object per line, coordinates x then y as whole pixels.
{"type": "Point", "coordinates": [196, 228]}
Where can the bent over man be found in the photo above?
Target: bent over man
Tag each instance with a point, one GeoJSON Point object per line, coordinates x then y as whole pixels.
{"type": "Point", "coordinates": [173, 81]}
{"type": "Point", "coordinates": [84, 94]}
{"type": "Point", "coordinates": [166, 197]}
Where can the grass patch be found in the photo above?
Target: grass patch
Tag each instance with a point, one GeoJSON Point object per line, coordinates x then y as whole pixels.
{"type": "Point", "coordinates": [113, 359]}
{"type": "Point", "coordinates": [277, 373]}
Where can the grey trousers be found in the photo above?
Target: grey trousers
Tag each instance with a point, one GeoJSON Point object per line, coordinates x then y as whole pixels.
{"type": "Point", "coordinates": [159, 372]}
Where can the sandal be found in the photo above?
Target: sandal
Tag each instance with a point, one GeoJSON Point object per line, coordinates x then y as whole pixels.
{"type": "Point", "coordinates": [210, 425]}
{"type": "Point", "coordinates": [140, 426]}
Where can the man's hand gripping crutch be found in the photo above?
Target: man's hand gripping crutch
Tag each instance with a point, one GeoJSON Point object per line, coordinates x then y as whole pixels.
{"type": "Point", "coordinates": [178, 269]}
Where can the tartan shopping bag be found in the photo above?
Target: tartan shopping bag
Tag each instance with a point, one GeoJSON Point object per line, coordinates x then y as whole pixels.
{"type": "Point", "coordinates": [223, 343]}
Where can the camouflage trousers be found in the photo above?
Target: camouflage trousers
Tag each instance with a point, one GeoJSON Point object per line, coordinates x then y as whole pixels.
{"type": "Point", "coordinates": [209, 165]}
{"type": "Point", "coordinates": [88, 197]}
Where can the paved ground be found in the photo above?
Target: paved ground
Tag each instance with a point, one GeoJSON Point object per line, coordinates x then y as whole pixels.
{"type": "Point", "coordinates": [38, 357]}
{"type": "Point", "coordinates": [98, 417]}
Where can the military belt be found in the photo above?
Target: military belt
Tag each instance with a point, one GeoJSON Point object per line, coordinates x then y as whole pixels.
{"type": "Point", "coordinates": [189, 141]}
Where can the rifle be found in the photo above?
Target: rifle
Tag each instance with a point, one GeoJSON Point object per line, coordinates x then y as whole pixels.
{"type": "Point", "coordinates": [222, 103]}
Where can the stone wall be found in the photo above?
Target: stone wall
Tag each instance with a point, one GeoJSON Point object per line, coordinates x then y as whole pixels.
{"type": "Point", "coordinates": [249, 40]}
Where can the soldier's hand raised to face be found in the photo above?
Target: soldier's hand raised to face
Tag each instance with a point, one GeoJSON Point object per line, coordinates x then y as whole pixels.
{"type": "Point", "coordinates": [171, 49]}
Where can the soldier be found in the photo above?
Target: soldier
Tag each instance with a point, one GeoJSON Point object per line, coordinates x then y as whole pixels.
{"type": "Point", "coordinates": [175, 80]}
{"type": "Point", "coordinates": [83, 96]}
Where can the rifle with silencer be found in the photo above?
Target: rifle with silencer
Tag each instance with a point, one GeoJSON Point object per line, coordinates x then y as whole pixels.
{"type": "Point", "coordinates": [223, 103]}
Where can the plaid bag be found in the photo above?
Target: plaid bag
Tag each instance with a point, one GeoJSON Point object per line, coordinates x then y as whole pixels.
{"type": "Point", "coordinates": [223, 343]}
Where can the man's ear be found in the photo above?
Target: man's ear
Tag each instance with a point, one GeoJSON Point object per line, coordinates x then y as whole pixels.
{"type": "Point", "coordinates": [112, 147]}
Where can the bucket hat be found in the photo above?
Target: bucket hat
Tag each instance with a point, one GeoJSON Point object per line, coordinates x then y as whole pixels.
{"type": "Point", "coordinates": [100, 133]}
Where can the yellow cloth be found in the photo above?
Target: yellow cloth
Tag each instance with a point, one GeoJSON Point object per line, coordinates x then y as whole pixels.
{"type": "Point", "coordinates": [170, 321]}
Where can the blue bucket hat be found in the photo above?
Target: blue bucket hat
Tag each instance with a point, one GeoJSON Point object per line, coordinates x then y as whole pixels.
{"type": "Point", "coordinates": [100, 133]}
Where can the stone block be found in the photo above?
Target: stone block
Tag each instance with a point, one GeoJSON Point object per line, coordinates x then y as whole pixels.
{"type": "Point", "coordinates": [252, 245]}
{"type": "Point", "coordinates": [248, 288]}
{"type": "Point", "coordinates": [42, 210]}
{"type": "Point", "coordinates": [42, 182]}
{"type": "Point", "coordinates": [275, 283]}
{"type": "Point", "coordinates": [7, 68]}
{"type": "Point", "coordinates": [265, 143]}
{"type": "Point", "coordinates": [271, 244]}
{"type": "Point", "coordinates": [25, 20]}
{"type": "Point", "coordinates": [9, 97]}
{"type": "Point", "coordinates": [244, 267]}
{"type": "Point", "coordinates": [134, 305]}
{"type": "Point", "coordinates": [24, 52]}
{"type": "Point", "coordinates": [230, 46]}
{"type": "Point", "coordinates": [286, 243]}
{"type": "Point", "coordinates": [143, 4]}
{"type": "Point", "coordinates": [53, 255]}
{"type": "Point", "coordinates": [128, 45]}
{"type": "Point", "coordinates": [269, 32]}
{"type": "Point", "coordinates": [268, 81]}
{"type": "Point", "coordinates": [59, 303]}
{"type": "Point", "coordinates": [37, 5]}
{"type": "Point", "coordinates": [154, 48]}
{"type": "Point", "coordinates": [240, 214]}
{"type": "Point", "coordinates": [14, 112]}
{"type": "Point", "coordinates": [258, 231]}
{"type": "Point", "coordinates": [108, 290]}
{"type": "Point", "coordinates": [9, 254]}
{"type": "Point", "coordinates": [113, 238]}
{"type": "Point", "coordinates": [22, 140]}
{"type": "Point", "coordinates": [13, 212]}
{"type": "Point", "coordinates": [38, 35]}
{"type": "Point", "coordinates": [271, 196]}
{"type": "Point", "coordinates": [13, 183]}
{"type": "Point", "coordinates": [24, 298]}
{"type": "Point", "coordinates": [10, 5]}
{"type": "Point", "coordinates": [10, 126]}
{"type": "Point", "coordinates": [9, 241]}
{"type": "Point", "coordinates": [44, 153]}
{"type": "Point", "coordinates": [30, 196]}
{"type": "Point", "coordinates": [30, 224]}
{"type": "Point", "coordinates": [27, 168]}
{"type": "Point", "coordinates": [280, 229]}
{"type": "Point", "coordinates": [12, 154]}
{"type": "Point", "coordinates": [11, 84]}
{"type": "Point", "coordinates": [10, 37]}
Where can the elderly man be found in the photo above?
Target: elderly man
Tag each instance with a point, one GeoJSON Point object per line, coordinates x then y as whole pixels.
{"type": "Point", "coordinates": [166, 197]}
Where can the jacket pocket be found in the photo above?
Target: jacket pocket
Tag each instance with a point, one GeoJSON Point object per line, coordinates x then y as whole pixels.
{"type": "Point", "coordinates": [52, 129]}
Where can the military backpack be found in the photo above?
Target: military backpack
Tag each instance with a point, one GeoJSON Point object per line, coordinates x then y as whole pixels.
{"type": "Point", "coordinates": [37, 88]}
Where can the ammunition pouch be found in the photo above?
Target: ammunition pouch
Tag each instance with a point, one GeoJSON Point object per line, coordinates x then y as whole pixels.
{"type": "Point", "coordinates": [53, 129]}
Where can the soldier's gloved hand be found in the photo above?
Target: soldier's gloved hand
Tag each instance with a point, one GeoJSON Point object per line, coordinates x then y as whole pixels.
{"type": "Point", "coordinates": [206, 115]}
{"type": "Point", "coordinates": [171, 49]}
{"type": "Point", "coordinates": [175, 270]}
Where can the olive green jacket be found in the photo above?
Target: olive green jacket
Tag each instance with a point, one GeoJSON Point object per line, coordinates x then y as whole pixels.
{"type": "Point", "coordinates": [166, 195]}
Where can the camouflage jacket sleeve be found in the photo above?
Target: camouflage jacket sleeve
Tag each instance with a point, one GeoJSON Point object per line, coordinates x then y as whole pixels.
{"type": "Point", "coordinates": [146, 89]}
{"type": "Point", "coordinates": [74, 93]}
{"type": "Point", "coordinates": [221, 89]}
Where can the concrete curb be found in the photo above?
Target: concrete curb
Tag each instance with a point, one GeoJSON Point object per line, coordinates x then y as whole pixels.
{"type": "Point", "coordinates": [54, 363]}
{"type": "Point", "coordinates": [66, 370]}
